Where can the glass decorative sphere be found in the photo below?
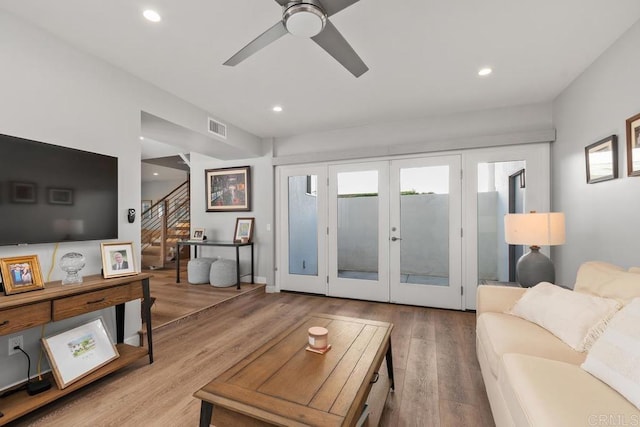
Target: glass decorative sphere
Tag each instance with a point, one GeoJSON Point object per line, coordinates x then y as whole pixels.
{"type": "Point", "coordinates": [72, 263]}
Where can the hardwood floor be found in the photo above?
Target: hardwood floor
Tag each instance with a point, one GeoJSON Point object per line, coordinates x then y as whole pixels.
{"type": "Point", "coordinates": [438, 380]}
{"type": "Point", "coordinates": [174, 302]}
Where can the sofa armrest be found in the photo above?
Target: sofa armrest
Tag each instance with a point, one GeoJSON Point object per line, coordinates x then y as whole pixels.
{"type": "Point", "coordinates": [497, 299]}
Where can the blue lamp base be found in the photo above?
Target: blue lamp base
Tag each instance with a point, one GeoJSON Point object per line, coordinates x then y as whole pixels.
{"type": "Point", "coordinates": [534, 267]}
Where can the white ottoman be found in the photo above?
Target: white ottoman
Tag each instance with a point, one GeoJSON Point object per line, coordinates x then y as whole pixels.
{"type": "Point", "coordinates": [223, 273]}
{"type": "Point", "coordinates": [198, 270]}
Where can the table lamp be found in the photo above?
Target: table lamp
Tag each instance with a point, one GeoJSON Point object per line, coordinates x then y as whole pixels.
{"type": "Point", "coordinates": [535, 230]}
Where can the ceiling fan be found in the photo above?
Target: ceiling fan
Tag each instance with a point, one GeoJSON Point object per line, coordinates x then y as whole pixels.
{"type": "Point", "coordinates": [308, 18]}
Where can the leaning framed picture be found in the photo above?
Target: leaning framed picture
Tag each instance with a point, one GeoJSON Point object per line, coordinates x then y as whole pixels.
{"type": "Point", "coordinates": [117, 259]}
{"type": "Point", "coordinates": [244, 230]}
{"type": "Point", "coordinates": [21, 274]}
{"type": "Point", "coordinates": [197, 234]}
{"type": "Point", "coordinates": [602, 160]}
{"type": "Point", "coordinates": [228, 189]}
{"type": "Point", "coordinates": [78, 352]}
{"type": "Point", "coordinates": [633, 145]}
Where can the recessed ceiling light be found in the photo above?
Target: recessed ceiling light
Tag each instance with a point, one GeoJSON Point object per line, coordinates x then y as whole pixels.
{"type": "Point", "coordinates": [141, 138]}
{"type": "Point", "coordinates": [277, 108]}
{"type": "Point", "coordinates": [152, 15]}
{"type": "Point", "coordinates": [156, 174]}
{"type": "Point", "coordinates": [485, 71]}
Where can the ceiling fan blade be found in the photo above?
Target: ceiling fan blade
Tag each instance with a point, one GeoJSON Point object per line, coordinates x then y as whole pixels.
{"type": "Point", "coordinates": [332, 41]}
{"type": "Point", "coordinates": [284, 2]}
{"type": "Point", "coordinates": [263, 40]}
{"type": "Point", "coordinates": [334, 6]}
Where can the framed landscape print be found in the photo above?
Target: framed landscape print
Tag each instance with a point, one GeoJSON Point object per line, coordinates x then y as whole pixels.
{"type": "Point", "coordinates": [602, 160]}
{"type": "Point", "coordinates": [78, 352]}
{"type": "Point", "coordinates": [118, 259]}
{"type": "Point", "coordinates": [21, 274]}
{"type": "Point", "coordinates": [228, 189]}
{"type": "Point", "coordinates": [633, 145]}
{"type": "Point", "coordinates": [244, 230]}
{"type": "Point", "coordinates": [60, 196]}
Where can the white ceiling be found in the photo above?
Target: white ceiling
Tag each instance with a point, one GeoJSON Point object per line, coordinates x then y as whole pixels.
{"type": "Point", "coordinates": [423, 55]}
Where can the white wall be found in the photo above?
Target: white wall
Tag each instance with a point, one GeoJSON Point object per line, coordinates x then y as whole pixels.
{"type": "Point", "coordinates": [221, 225]}
{"type": "Point", "coordinates": [56, 94]}
{"type": "Point", "coordinates": [602, 218]}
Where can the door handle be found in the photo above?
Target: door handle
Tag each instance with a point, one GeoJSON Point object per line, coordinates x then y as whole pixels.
{"type": "Point", "coordinates": [394, 238]}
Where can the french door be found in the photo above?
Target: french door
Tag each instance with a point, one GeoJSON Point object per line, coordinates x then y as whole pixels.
{"type": "Point", "coordinates": [392, 231]}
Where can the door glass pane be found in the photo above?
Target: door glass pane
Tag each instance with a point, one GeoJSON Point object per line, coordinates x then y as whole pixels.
{"type": "Point", "coordinates": [501, 190]}
{"type": "Point", "coordinates": [358, 225]}
{"type": "Point", "coordinates": [424, 222]}
{"type": "Point", "coordinates": [303, 225]}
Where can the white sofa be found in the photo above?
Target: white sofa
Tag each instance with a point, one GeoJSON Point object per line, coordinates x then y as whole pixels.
{"type": "Point", "coordinates": [532, 377]}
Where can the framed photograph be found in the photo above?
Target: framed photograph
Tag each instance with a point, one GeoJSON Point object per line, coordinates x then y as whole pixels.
{"type": "Point", "coordinates": [198, 234]}
{"type": "Point", "coordinates": [23, 192]}
{"type": "Point", "coordinates": [602, 160]}
{"type": "Point", "coordinates": [244, 230]}
{"type": "Point", "coordinates": [118, 259]}
{"type": "Point", "coordinates": [633, 146]}
{"type": "Point", "coordinates": [60, 196]}
{"type": "Point", "coordinates": [21, 274]}
{"type": "Point", "coordinates": [228, 189]}
{"type": "Point", "coordinates": [145, 209]}
{"type": "Point", "coordinates": [78, 352]}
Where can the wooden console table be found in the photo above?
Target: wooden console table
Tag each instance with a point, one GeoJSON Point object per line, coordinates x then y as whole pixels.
{"type": "Point", "coordinates": [196, 243]}
{"type": "Point", "coordinates": [57, 302]}
{"type": "Point", "coordinates": [281, 383]}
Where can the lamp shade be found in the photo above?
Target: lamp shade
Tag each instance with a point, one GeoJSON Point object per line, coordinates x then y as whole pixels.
{"type": "Point", "coordinates": [535, 229]}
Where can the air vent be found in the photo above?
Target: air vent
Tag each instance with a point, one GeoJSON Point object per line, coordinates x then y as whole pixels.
{"type": "Point", "coordinates": [217, 128]}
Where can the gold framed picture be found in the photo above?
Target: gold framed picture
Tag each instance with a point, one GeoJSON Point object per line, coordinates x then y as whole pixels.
{"type": "Point", "coordinates": [118, 259]}
{"type": "Point", "coordinates": [21, 274]}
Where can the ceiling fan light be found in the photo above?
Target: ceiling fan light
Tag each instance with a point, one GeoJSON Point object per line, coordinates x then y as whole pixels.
{"type": "Point", "coordinates": [304, 20]}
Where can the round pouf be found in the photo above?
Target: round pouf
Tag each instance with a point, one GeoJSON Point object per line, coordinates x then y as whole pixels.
{"type": "Point", "coordinates": [198, 270]}
{"type": "Point", "coordinates": [223, 273]}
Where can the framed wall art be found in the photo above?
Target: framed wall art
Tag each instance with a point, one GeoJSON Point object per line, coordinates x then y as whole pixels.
{"type": "Point", "coordinates": [60, 196]}
{"type": "Point", "coordinates": [228, 189]}
{"type": "Point", "coordinates": [23, 192]}
{"type": "Point", "coordinates": [78, 352]}
{"type": "Point", "coordinates": [21, 274]}
{"type": "Point", "coordinates": [633, 145]}
{"type": "Point", "coordinates": [118, 259]}
{"type": "Point", "coordinates": [602, 160]}
{"type": "Point", "coordinates": [244, 230]}
{"type": "Point", "coordinates": [145, 209]}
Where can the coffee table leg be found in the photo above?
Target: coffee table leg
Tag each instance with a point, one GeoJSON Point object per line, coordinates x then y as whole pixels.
{"type": "Point", "coordinates": [206, 410]}
{"type": "Point", "coordinates": [389, 358]}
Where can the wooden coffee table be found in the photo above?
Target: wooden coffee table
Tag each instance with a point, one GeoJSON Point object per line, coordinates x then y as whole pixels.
{"type": "Point", "coordinates": [283, 384]}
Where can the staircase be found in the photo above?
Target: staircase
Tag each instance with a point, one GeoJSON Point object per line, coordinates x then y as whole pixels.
{"type": "Point", "coordinates": [163, 225]}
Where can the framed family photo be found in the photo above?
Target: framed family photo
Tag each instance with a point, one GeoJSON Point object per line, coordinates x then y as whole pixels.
{"type": "Point", "coordinates": [228, 189]}
{"type": "Point", "coordinates": [78, 352]}
{"type": "Point", "coordinates": [118, 259]}
{"type": "Point", "coordinates": [21, 274]}
{"type": "Point", "coordinates": [602, 160]}
{"type": "Point", "coordinates": [244, 230]}
{"type": "Point", "coordinates": [633, 145]}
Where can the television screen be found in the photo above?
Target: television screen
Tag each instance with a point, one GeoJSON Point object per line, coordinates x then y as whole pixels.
{"type": "Point", "coordinates": [51, 194]}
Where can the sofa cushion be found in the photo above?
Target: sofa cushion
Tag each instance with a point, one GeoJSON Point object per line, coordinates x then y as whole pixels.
{"type": "Point", "coordinates": [615, 357]}
{"type": "Point", "coordinates": [501, 333]}
{"type": "Point", "coordinates": [543, 392]}
{"type": "Point", "coordinates": [607, 280]}
{"type": "Point", "coordinates": [576, 318]}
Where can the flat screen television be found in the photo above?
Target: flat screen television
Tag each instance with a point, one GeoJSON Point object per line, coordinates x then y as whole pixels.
{"type": "Point", "coordinates": [50, 193]}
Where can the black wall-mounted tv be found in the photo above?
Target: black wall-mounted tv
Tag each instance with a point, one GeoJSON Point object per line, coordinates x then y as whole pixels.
{"type": "Point", "coordinates": [50, 193]}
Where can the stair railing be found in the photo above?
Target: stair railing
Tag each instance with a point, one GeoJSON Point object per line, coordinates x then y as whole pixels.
{"type": "Point", "coordinates": [163, 224]}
